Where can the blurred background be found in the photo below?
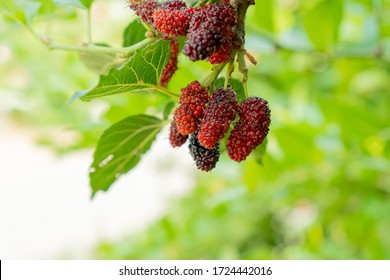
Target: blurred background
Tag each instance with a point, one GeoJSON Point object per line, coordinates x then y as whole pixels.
{"type": "Point", "coordinates": [321, 190]}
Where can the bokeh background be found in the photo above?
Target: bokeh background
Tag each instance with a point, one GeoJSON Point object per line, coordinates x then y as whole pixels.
{"type": "Point", "coordinates": [321, 190]}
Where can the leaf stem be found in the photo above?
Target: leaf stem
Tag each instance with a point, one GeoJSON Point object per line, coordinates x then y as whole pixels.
{"type": "Point", "coordinates": [93, 48]}
{"type": "Point", "coordinates": [242, 66]}
{"type": "Point", "coordinates": [245, 85]}
{"type": "Point", "coordinates": [229, 71]}
{"type": "Point", "coordinates": [213, 75]}
{"type": "Point", "coordinates": [166, 91]}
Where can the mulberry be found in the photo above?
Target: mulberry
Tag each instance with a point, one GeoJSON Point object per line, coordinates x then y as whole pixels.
{"type": "Point", "coordinates": [174, 5]}
{"type": "Point", "coordinates": [171, 22]}
{"type": "Point", "coordinates": [171, 66]}
{"type": "Point", "coordinates": [144, 9]}
{"type": "Point", "coordinates": [205, 159]}
{"type": "Point", "coordinates": [176, 139]}
{"type": "Point", "coordinates": [192, 102]}
{"type": "Point", "coordinates": [251, 129]}
{"type": "Point", "coordinates": [222, 54]}
{"type": "Point", "coordinates": [218, 116]}
{"type": "Point", "coordinates": [209, 28]}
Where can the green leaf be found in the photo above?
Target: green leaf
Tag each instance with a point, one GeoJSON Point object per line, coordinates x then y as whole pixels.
{"type": "Point", "coordinates": [83, 4]}
{"type": "Point", "coordinates": [87, 3]}
{"type": "Point", "coordinates": [134, 33]}
{"type": "Point", "coordinates": [21, 10]}
{"type": "Point", "coordinates": [236, 85]}
{"type": "Point", "coordinates": [262, 15]}
{"type": "Point", "coordinates": [168, 109]}
{"type": "Point", "coordinates": [140, 74]}
{"type": "Point", "coordinates": [120, 149]}
{"type": "Point", "coordinates": [259, 152]}
{"type": "Point", "coordinates": [322, 23]}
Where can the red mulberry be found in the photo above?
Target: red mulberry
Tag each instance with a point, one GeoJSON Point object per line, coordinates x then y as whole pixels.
{"type": "Point", "coordinates": [222, 54]}
{"type": "Point", "coordinates": [218, 116]}
{"type": "Point", "coordinates": [251, 129]}
{"type": "Point", "coordinates": [176, 139]}
{"type": "Point", "coordinates": [144, 9]}
{"type": "Point", "coordinates": [171, 66]}
{"type": "Point", "coordinates": [174, 5]}
{"type": "Point", "coordinates": [205, 159]}
{"type": "Point", "coordinates": [210, 27]}
{"type": "Point", "coordinates": [192, 102]}
{"type": "Point", "coordinates": [171, 22]}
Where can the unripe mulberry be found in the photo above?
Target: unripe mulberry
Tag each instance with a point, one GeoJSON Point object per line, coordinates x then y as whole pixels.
{"type": "Point", "coordinates": [210, 27]}
{"type": "Point", "coordinates": [175, 138]}
{"type": "Point", "coordinates": [218, 115]}
{"type": "Point", "coordinates": [192, 102]}
{"type": "Point", "coordinates": [205, 159]}
{"type": "Point", "coordinates": [250, 130]}
{"type": "Point", "coordinates": [171, 67]}
{"type": "Point", "coordinates": [144, 9]}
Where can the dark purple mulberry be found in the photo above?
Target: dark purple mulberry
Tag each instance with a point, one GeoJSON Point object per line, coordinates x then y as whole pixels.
{"type": "Point", "coordinates": [205, 159]}
{"type": "Point", "coordinates": [209, 28]}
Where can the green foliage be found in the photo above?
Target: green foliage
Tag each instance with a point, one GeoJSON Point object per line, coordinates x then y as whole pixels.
{"type": "Point", "coordinates": [120, 149]}
{"type": "Point", "coordinates": [140, 74]}
{"type": "Point", "coordinates": [85, 4]}
{"type": "Point", "coordinates": [323, 33]}
{"type": "Point", "coordinates": [22, 10]}
{"type": "Point", "coordinates": [134, 33]}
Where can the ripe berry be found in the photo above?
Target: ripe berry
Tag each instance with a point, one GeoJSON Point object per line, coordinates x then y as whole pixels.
{"type": "Point", "coordinates": [222, 54]}
{"type": "Point", "coordinates": [144, 9]}
{"type": "Point", "coordinates": [218, 116]}
{"type": "Point", "coordinates": [186, 122]}
{"type": "Point", "coordinates": [176, 139]}
{"type": "Point", "coordinates": [171, 22]}
{"type": "Point", "coordinates": [192, 102]}
{"type": "Point", "coordinates": [171, 66]}
{"type": "Point", "coordinates": [210, 26]}
{"type": "Point", "coordinates": [174, 5]}
{"type": "Point", "coordinates": [251, 129]}
{"type": "Point", "coordinates": [205, 159]}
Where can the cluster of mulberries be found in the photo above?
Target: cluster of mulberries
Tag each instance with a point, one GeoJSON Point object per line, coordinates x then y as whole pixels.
{"type": "Point", "coordinates": [207, 120]}
{"type": "Point", "coordinates": [210, 29]}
